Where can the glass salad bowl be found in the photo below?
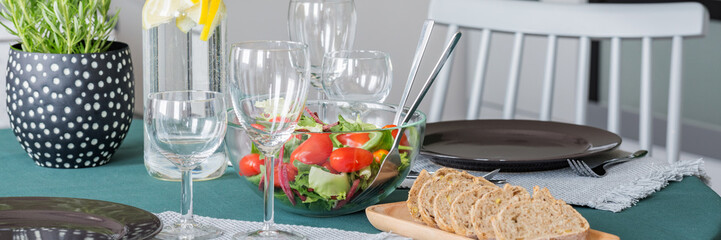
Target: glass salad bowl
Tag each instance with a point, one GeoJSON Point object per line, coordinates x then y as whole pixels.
{"type": "Point", "coordinates": [332, 158]}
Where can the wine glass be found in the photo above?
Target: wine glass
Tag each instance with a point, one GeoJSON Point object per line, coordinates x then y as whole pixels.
{"type": "Point", "coordinates": [186, 127]}
{"type": "Point", "coordinates": [269, 84]}
{"type": "Point", "coordinates": [357, 75]}
{"type": "Point", "coordinates": [325, 25]}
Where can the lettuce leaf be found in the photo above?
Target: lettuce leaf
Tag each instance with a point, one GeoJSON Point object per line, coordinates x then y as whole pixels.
{"type": "Point", "coordinates": [351, 126]}
{"type": "Point", "coordinates": [307, 123]}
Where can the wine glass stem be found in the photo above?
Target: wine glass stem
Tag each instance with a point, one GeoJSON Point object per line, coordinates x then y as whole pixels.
{"type": "Point", "coordinates": [268, 190]}
{"type": "Point", "coordinates": [186, 203]}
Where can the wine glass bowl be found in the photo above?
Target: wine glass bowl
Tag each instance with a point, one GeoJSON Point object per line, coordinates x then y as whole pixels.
{"type": "Point", "coordinates": [241, 152]}
{"type": "Point", "coordinates": [357, 75]}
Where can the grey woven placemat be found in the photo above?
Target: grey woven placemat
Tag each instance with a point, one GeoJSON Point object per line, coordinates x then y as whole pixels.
{"type": "Point", "coordinates": [623, 186]}
{"type": "Point", "coordinates": [232, 227]}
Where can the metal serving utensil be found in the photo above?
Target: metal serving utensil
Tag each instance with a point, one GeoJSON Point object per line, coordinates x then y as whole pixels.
{"type": "Point", "coordinates": [389, 167]}
{"type": "Point", "coordinates": [420, 49]}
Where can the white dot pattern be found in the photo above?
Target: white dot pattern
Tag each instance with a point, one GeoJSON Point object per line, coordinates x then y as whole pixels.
{"type": "Point", "coordinates": [59, 107]}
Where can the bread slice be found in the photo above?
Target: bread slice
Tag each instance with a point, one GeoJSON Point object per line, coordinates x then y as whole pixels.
{"type": "Point", "coordinates": [492, 203]}
{"type": "Point", "coordinates": [539, 219]}
{"type": "Point", "coordinates": [412, 201]}
{"type": "Point", "coordinates": [432, 187]}
{"type": "Point", "coordinates": [461, 207]}
{"type": "Point", "coordinates": [442, 203]}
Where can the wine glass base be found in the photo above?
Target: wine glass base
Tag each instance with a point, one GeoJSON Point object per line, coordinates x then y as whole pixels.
{"type": "Point", "coordinates": [189, 231]}
{"type": "Point", "coordinates": [269, 234]}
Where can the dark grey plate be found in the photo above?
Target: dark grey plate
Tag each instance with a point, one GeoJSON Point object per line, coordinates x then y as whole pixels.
{"type": "Point", "coordinates": [73, 218]}
{"type": "Point", "coordinates": [513, 145]}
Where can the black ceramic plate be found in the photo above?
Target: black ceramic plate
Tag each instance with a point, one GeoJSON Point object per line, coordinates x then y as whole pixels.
{"type": "Point", "coordinates": [73, 218]}
{"type": "Point", "coordinates": [513, 145]}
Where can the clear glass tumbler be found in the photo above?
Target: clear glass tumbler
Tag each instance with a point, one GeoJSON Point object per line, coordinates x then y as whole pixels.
{"type": "Point", "coordinates": [357, 75]}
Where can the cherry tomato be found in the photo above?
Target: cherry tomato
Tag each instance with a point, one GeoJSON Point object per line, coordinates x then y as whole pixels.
{"type": "Point", "coordinates": [289, 168]}
{"type": "Point", "coordinates": [353, 139]}
{"type": "Point", "coordinates": [250, 165]}
{"type": "Point", "coordinates": [327, 165]}
{"type": "Point", "coordinates": [404, 139]}
{"type": "Point", "coordinates": [315, 150]}
{"type": "Point", "coordinates": [379, 155]}
{"type": "Point", "coordinates": [350, 159]}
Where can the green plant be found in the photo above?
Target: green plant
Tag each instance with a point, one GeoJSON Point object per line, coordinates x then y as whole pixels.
{"type": "Point", "coordinates": [60, 26]}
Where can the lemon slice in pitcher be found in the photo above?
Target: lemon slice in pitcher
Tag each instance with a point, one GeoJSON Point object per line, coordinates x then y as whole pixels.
{"type": "Point", "coordinates": [157, 12]}
{"type": "Point", "coordinates": [189, 19]}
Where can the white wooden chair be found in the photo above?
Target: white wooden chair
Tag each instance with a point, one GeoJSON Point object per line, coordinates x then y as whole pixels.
{"type": "Point", "coordinates": [584, 22]}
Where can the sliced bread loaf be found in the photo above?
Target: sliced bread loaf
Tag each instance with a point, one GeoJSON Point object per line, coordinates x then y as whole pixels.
{"type": "Point", "coordinates": [540, 219]}
{"type": "Point", "coordinates": [492, 203]}
{"type": "Point", "coordinates": [461, 207]}
{"type": "Point", "coordinates": [412, 202]}
{"type": "Point", "coordinates": [432, 187]}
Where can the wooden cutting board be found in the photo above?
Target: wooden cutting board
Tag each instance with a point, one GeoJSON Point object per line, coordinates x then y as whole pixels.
{"type": "Point", "coordinates": [394, 217]}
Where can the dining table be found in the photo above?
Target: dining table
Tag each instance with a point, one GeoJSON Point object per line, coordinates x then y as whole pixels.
{"type": "Point", "coordinates": [686, 209]}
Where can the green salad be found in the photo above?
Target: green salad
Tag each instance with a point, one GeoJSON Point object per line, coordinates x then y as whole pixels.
{"type": "Point", "coordinates": [326, 165]}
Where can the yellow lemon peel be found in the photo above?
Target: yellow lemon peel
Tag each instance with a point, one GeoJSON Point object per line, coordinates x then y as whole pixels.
{"type": "Point", "coordinates": [204, 10]}
{"type": "Point", "coordinates": [217, 11]}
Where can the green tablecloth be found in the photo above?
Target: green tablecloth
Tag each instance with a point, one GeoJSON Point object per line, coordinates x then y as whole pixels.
{"type": "Point", "coordinates": [683, 210]}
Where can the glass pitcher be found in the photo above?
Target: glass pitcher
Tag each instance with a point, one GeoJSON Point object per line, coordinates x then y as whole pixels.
{"type": "Point", "coordinates": [183, 49]}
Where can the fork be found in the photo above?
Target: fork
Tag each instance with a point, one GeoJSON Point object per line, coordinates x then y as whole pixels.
{"type": "Point", "coordinates": [581, 168]}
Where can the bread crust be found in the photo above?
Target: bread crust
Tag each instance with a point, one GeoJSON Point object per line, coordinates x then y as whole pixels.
{"type": "Point", "coordinates": [412, 201]}
{"type": "Point", "coordinates": [542, 194]}
{"type": "Point", "coordinates": [444, 171]}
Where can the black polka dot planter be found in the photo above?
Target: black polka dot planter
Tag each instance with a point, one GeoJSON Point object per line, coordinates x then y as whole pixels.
{"type": "Point", "coordinates": [70, 110]}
